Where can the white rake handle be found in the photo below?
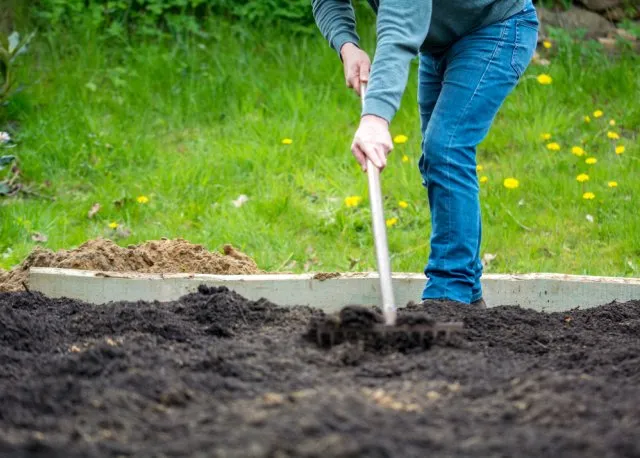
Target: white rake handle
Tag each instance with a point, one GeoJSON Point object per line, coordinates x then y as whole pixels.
{"type": "Point", "coordinates": [380, 236]}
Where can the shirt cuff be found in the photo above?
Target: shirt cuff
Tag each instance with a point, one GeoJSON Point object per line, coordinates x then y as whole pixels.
{"type": "Point", "coordinates": [378, 108]}
{"type": "Point", "coordinates": [342, 38]}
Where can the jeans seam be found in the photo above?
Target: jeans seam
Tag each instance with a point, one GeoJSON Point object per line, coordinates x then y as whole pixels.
{"type": "Point", "coordinates": [499, 45]}
{"type": "Point", "coordinates": [516, 47]}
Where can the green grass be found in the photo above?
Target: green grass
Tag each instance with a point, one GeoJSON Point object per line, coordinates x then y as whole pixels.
{"type": "Point", "coordinates": [194, 124]}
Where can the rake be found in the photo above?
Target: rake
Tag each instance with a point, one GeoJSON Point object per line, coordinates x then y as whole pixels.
{"type": "Point", "coordinates": [358, 323]}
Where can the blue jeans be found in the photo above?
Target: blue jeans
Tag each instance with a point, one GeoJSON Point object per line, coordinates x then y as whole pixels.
{"type": "Point", "coordinates": [459, 94]}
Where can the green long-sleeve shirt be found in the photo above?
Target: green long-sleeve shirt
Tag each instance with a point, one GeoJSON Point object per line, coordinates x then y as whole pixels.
{"type": "Point", "coordinates": [405, 27]}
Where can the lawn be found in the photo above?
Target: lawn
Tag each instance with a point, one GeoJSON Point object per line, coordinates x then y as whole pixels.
{"type": "Point", "coordinates": [164, 136]}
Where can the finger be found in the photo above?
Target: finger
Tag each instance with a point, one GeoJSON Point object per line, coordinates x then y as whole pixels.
{"type": "Point", "coordinates": [387, 147]}
{"type": "Point", "coordinates": [354, 82]}
{"type": "Point", "coordinates": [382, 157]}
{"type": "Point", "coordinates": [365, 68]}
{"type": "Point", "coordinates": [348, 81]}
{"type": "Point", "coordinates": [348, 75]}
{"type": "Point", "coordinates": [360, 156]}
{"type": "Point", "coordinates": [352, 73]}
{"type": "Point", "coordinates": [370, 151]}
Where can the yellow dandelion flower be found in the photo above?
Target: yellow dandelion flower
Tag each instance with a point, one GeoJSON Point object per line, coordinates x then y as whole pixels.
{"type": "Point", "coordinates": [598, 113]}
{"type": "Point", "coordinates": [547, 44]}
{"type": "Point", "coordinates": [553, 146]}
{"type": "Point", "coordinates": [588, 195]}
{"type": "Point", "coordinates": [287, 141]}
{"type": "Point", "coordinates": [142, 199]}
{"type": "Point", "coordinates": [544, 79]}
{"type": "Point", "coordinates": [511, 183]}
{"type": "Point", "coordinates": [587, 119]}
{"type": "Point", "coordinates": [352, 201]}
{"type": "Point", "coordinates": [578, 151]}
{"type": "Point", "coordinates": [113, 225]}
{"type": "Point", "coordinates": [400, 139]}
{"type": "Point", "coordinates": [403, 204]}
{"type": "Point", "coordinates": [582, 177]}
{"type": "Point", "coordinates": [484, 179]}
{"type": "Point", "coordinates": [545, 136]}
{"type": "Point", "coordinates": [591, 160]}
{"type": "Point", "coordinates": [612, 184]}
{"type": "Point", "coordinates": [620, 149]}
{"type": "Point", "coordinates": [613, 135]}
{"type": "Point", "coordinates": [612, 122]}
{"type": "Point", "coordinates": [405, 158]}
{"type": "Point", "coordinates": [392, 221]}
{"type": "Point", "coordinates": [479, 168]}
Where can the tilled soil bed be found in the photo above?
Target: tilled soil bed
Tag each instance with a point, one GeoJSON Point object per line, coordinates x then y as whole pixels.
{"type": "Point", "coordinates": [213, 374]}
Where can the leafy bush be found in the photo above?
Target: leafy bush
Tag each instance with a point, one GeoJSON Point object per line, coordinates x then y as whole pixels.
{"type": "Point", "coordinates": [10, 48]}
{"type": "Point", "coordinates": [298, 11]}
{"type": "Point", "coordinates": [7, 186]}
{"type": "Point", "coordinates": [150, 17]}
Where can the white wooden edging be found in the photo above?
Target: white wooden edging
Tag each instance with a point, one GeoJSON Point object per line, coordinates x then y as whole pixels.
{"type": "Point", "coordinates": [540, 291]}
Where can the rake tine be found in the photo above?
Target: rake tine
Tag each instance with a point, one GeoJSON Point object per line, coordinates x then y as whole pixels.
{"type": "Point", "coordinates": [410, 334]}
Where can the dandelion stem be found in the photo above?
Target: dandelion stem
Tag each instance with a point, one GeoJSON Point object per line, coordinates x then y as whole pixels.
{"type": "Point", "coordinates": [285, 262]}
{"type": "Point", "coordinates": [526, 228]}
{"type": "Point", "coordinates": [412, 250]}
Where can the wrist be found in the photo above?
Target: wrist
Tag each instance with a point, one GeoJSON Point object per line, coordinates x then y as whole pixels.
{"type": "Point", "coordinates": [370, 118]}
{"type": "Point", "coordinates": [347, 47]}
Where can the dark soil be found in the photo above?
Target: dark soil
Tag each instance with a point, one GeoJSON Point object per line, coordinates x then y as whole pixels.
{"type": "Point", "coordinates": [216, 375]}
{"type": "Point", "coordinates": [326, 275]}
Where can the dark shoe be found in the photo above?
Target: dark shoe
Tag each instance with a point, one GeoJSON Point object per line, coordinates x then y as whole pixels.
{"type": "Point", "coordinates": [440, 301]}
{"type": "Point", "coordinates": [480, 303]}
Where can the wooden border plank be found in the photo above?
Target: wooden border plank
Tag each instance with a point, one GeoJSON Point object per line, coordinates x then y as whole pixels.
{"type": "Point", "coordinates": [539, 291]}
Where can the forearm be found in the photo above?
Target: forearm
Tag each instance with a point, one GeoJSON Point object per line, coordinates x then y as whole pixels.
{"type": "Point", "coordinates": [336, 21]}
{"type": "Point", "coordinates": [402, 27]}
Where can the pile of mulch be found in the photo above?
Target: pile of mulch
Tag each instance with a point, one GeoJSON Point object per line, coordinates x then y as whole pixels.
{"type": "Point", "coordinates": [155, 256]}
{"type": "Point", "coordinates": [213, 374]}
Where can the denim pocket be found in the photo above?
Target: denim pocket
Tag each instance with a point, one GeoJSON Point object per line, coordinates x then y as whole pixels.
{"type": "Point", "coordinates": [526, 39]}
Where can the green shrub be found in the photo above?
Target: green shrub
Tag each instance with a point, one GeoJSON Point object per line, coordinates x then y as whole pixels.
{"type": "Point", "coordinates": [10, 48]}
{"type": "Point", "coordinates": [298, 11]}
{"type": "Point", "coordinates": [151, 17]}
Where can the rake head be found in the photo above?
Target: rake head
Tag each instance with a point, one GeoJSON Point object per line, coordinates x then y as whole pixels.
{"type": "Point", "coordinates": [361, 324]}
